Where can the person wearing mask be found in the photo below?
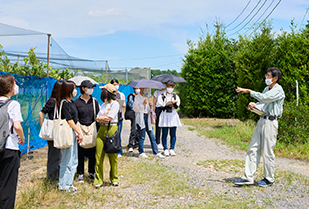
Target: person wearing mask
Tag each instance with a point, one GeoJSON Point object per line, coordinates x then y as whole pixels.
{"type": "Point", "coordinates": [53, 154]}
{"type": "Point", "coordinates": [69, 159]}
{"type": "Point", "coordinates": [264, 137]}
{"type": "Point", "coordinates": [157, 110]}
{"type": "Point", "coordinates": [119, 96]}
{"type": "Point", "coordinates": [108, 114]}
{"type": "Point", "coordinates": [86, 116]}
{"type": "Point", "coordinates": [169, 120]}
{"type": "Point", "coordinates": [10, 156]}
{"type": "Point", "coordinates": [141, 107]}
{"type": "Point", "coordinates": [130, 115]}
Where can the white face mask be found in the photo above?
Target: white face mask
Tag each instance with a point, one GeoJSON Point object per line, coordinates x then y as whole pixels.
{"type": "Point", "coordinates": [137, 91]}
{"type": "Point", "coordinates": [89, 91]}
{"type": "Point", "coordinates": [117, 87]}
{"type": "Point", "coordinates": [169, 90]}
{"type": "Point", "coordinates": [16, 89]}
{"type": "Point", "coordinates": [74, 93]}
{"type": "Point", "coordinates": [268, 81]}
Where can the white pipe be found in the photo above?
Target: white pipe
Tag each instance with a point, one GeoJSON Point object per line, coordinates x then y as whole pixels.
{"type": "Point", "coordinates": [297, 97]}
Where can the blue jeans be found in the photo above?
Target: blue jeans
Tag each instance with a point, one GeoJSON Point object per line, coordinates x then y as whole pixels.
{"type": "Point", "coordinates": [172, 134]}
{"type": "Point", "coordinates": [119, 124]}
{"type": "Point", "coordinates": [68, 165]}
{"type": "Point", "coordinates": [151, 136]}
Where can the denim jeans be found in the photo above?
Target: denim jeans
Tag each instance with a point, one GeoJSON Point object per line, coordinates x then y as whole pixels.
{"type": "Point", "coordinates": [151, 136]}
{"type": "Point", "coordinates": [172, 135]}
{"type": "Point", "coordinates": [68, 165]}
{"type": "Point", "coordinates": [119, 124]}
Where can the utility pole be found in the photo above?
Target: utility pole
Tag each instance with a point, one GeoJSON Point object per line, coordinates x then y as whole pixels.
{"type": "Point", "coordinates": [48, 46]}
{"type": "Point", "coordinates": [106, 71]}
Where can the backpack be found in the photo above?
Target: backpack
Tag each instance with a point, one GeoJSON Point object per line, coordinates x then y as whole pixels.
{"type": "Point", "coordinates": [5, 130]}
{"type": "Point", "coordinates": [163, 96]}
{"type": "Point", "coordinates": [129, 114]}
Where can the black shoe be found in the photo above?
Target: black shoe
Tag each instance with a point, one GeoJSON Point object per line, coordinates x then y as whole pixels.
{"type": "Point", "coordinates": [265, 183]}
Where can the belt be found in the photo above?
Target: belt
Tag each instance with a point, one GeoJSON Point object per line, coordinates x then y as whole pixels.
{"type": "Point", "coordinates": [106, 124]}
{"type": "Point", "coordinates": [145, 113]}
{"type": "Point", "coordinates": [269, 117]}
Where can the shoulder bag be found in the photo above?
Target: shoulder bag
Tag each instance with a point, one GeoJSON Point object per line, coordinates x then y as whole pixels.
{"type": "Point", "coordinates": [46, 131]}
{"type": "Point", "coordinates": [112, 143]}
{"type": "Point", "coordinates": [89, 132]}
{"type": "Point", "coordinates": [63, 133]}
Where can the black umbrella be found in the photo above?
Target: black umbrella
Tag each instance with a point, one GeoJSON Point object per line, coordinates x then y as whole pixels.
{"type": "Point", "coordinates": [145, 83]}
{"type": "Point", "coordinates": [168, 77]}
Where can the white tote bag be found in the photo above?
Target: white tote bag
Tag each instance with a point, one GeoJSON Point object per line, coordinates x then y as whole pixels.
{"type": "Point", "coordinates": [63, 133]}
{"type": "Point", "coordinates": [89, 132]}
{"type": "Point", "coordinates": [46, 131]}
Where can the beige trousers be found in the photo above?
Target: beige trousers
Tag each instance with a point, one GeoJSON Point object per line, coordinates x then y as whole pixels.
{"type": "Point", "coordinates": [263, 141]}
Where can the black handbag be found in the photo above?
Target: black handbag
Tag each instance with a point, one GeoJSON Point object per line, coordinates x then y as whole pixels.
{"type": "Point", "coordinates": [112, 143]}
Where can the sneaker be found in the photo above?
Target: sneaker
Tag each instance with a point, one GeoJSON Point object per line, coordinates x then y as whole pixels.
{"type": "Point", "coordinates": [265, 183]}
{"type": "Point", "coordinates": [243, 182]}
{"type": "Point", "coordinates": [115, 184]}
{"type": "Point", "coordinates": [73, 189]}
{"type": "Point", "coordinates": [166, 152]}
{"type": "Point", "coordinates": [91, 176]}
{"type": "Point", "coordinates": [159, 155]}
{"type": "Point", "coordinates": [119, 155]}
{"type": "Point", "coordinates": [131, 149]}
{"type": "Point", "coordinates": [143, 155]}
{"type": "Point", "coordinates": [172, 152]}
{"type": "Point", "coordinates": [80, 178]}
{"type": "Point", "coordinates": [97, 186]}
{"type": "Point", "coordinates": [159, 146]}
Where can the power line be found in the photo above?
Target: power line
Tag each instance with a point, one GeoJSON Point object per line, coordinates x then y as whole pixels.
{"type": "Point", "coordinates": [246, 17]}
{"type": "Point", "coordinates": [238, 15]}
{"type": "Point", "coordinates": [267, 16]}
{"type": "Point", "coordinates": [260, 17]}
{"type": "Point", "coordinates": [251, 18]}
{"type": "Point", "coordinates": [304, 16]}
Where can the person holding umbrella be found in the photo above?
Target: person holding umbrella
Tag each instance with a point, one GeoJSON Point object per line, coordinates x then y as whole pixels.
{"type": "Point", "coordinates": [142, 108]}
{"type": "Point", "coordinates": [157, 110]}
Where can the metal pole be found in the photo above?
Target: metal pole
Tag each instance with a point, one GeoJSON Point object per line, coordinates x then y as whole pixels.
{"type": "Point", "coordinates": [297, 97]}
{"type": "Point", "coordinates": [28, 142]}
{"type": "Point", "coordinates": [106, 72]}
{"type": "Point", "coordinates": [48, 46]}
{"type": "Point", "coordinates": [126, 75]}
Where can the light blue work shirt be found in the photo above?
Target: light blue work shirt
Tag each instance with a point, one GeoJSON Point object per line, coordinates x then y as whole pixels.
{"type": "Point", "coordinates": [272, 100]}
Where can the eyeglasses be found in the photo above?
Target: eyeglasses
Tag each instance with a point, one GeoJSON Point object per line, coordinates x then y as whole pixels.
{"type": "Point", "coordinates": [268, 76]}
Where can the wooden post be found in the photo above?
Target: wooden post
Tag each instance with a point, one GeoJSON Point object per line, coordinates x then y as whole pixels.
{"type": "Point", "coordinates": [48, 46]}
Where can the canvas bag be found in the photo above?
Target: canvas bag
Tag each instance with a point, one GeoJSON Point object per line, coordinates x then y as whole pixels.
{"type": "Point", "coordinates": [5, 130]}
{"type": "Point", "coordinates": [63, 133]}
{"type": "Point", "coordinates": [47, 128]}
{"type": "Point", "coordinates": [112, 143]}
{"type": "Point", "coordinates": [89, 132]}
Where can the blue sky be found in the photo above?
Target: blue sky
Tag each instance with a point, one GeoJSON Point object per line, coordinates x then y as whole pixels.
{"type": "Point", "coordinates": [134, 33]}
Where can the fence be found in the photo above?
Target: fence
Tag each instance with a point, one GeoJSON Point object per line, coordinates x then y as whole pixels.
{"type": "Point", "coordinates": [33, 94]}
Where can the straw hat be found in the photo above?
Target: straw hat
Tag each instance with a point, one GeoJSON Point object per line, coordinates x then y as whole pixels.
{"type": "Point", "coordinates": [110, 88]}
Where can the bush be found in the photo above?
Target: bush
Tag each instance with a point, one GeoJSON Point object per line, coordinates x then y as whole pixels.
{"type": "Point", "coordinates": [294, 124]}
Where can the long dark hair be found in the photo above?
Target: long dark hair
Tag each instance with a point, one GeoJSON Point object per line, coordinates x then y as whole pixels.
{"type": "Point", "coordinates": [56, 92]}
{"type": "Point", "coordinates": [6, 83]}
{"type": "Point", "coordinates": [67, 90]}
{"type": "Point", "coordinates": [107, 95]}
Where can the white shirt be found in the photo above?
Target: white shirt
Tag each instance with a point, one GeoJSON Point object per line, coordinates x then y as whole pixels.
{"type": "Point", "coordinates": [140, 110]}
{"type": "Point", "coordinates": [157, 93]}
{"type": "Point", "coordinates": [14, 115]}
{"type": "Point", "coordinates": [168, 119]}
{"type": "Point", "coordinates": [110, 110]}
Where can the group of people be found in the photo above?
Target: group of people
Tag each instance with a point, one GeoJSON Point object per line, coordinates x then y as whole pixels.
{"type": "Point", "coordinates": [85, 110]}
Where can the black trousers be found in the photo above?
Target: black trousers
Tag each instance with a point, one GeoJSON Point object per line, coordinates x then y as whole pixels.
{"type": "Point", "coordinates": [53, 162]}
{"type": "Point", "coordinates": [9, 165]}
{"type": "Point", "coordinates": [133, 140]}
{"type": "Point", "coordinates": [90, 153]}
{"type": "Point", "coordinates": [158, 129]}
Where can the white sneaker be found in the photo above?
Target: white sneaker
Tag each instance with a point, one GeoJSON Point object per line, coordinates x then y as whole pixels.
{"type": "Point", "coordinates": [80, 178]}
{"type": "Point", "coordinates": [159, 155]}
{"type": "Point", "coordinates": [130, 149]}
{"type": "Point", "coordinates": [166, 152]}
{"type": "Point", "coordinates": [172, 152]}
{"type": "Point", "coordinates": [97, 186]}
{"type": "Point", "coordinates": [159, 146]}
{"type": "Point", "coordinates": [143, 155]}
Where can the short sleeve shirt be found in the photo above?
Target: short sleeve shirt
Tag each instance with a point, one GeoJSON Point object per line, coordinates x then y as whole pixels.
{"type": "Point", "coordinates": [69, 111]}
{"type": "Point", "coordinates": [110, 110]}
{"type": "Point", "coordinates": [49, 108]}
{"type": "Point", "coordinates": [14, 115]}
{"type": "Point", "coordinates": [157, 93]}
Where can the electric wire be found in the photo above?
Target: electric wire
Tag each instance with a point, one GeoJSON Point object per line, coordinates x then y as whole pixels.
{"type": "Point", "coordinates": [304, 16]}
{"type": "Point", "coordinates": [238, 15]}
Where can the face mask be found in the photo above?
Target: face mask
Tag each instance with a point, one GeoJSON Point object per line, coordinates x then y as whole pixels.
{"type": "Point", "coordinates": [169, 90]}
{"type": "Point", "coordinates": [74, 93]}
{"type": "Point", "coordinates": [268, 81]}
{"type": "Point", "coordinates": [137, 91]}
{"type": "Point", "coordinates": [117, 87]}
{"type": "Point", "coordinates": [89, 91]}
{"type": "Point", "coordinates": [16, 89]}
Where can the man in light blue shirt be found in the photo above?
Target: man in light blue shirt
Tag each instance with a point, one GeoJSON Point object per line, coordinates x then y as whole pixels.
{"type": "Point", "coordinates": [264, 136]}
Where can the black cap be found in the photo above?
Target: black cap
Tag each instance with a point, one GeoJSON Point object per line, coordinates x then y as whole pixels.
{"type": "Point", "coordinates": [87, 83]}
